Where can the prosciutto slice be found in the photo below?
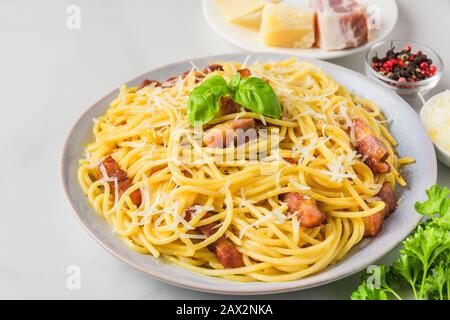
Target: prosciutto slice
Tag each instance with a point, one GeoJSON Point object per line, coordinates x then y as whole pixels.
{"type": "Point", "coordinates": [340, 24]}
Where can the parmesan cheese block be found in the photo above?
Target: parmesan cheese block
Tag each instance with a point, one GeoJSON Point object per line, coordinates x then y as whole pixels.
{"type": "Point", "coordinates": [234, 10]}
{"type": "Point", "coordinates": [287, 26]}
{"type": "Point", "coordinates": [436, 118]}
{"type": "Point", "coordinates": [251, 21]}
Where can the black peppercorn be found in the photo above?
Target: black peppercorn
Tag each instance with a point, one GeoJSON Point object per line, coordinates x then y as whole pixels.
{"type": "Point", "coordinates": [404, 73]}
{"type": "Point", "coordinates": [404, 65]}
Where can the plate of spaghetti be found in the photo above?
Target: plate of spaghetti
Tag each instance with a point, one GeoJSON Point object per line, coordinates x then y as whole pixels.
{"type": "Point", "coordinates": [248, 174]}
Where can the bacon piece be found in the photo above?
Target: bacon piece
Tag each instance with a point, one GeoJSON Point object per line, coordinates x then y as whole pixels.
{"type": "Point", "coordinates": [370, 147]}
{"type": "Point", "coordinates": [227, 254]}
{"type": "Point", "coordinates": [208, 229]}
{"type": "Point", "coordinates": [290, 160]}
{"type": "Point", "coordinates": [309, 213]}
{"type": "Point", "coordinates": [170, 82]}
{"type": "Point", "coordinates": [374, 223]}
{"type": "Point", "coordinates": [224, 133]}
{"type": "Point", "coordinates": [224, 250]}
{"type": "Point", "coordinates": [147, 82]}
{"type": "Point", "coordinates": [228, 106]}
{"type": "Point", "coordinates": [386, 194]}
{"type": "Point", "coordinates": [212, 68]}
{"type": "Point", "coordinates": [245, 73]}
{"type": "Point", "coordinates": [123, 181]}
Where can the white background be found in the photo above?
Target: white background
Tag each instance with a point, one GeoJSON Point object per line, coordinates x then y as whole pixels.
{"type": "Point", "coordinates": [49, 75]}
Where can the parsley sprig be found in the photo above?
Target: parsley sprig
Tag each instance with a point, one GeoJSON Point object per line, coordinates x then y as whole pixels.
{"type": "Point", "coordinates": [424, 263]}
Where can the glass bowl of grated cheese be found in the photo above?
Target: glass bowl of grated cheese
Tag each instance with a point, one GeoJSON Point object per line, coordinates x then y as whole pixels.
{"type": "Point", "coordinates": [435, 115]}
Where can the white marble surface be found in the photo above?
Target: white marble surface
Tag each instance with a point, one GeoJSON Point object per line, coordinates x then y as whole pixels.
{"type": "Point", "coordinates": [49, 75]}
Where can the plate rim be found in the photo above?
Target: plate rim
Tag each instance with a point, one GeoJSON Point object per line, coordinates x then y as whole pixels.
{"type": "Point", "coordinates": [323, 54]}
{"type": "Point", "coordinates": [289, 286]}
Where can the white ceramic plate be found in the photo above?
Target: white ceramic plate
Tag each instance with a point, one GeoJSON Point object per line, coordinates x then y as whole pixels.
{"type": "Point", "coordinates": [248, 39]}
{"type": "Point", "coordinates": [406, 128]}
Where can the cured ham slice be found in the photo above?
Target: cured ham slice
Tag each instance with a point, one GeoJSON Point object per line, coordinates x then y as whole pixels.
{"type": "Point", "coordinates": [340, 24]}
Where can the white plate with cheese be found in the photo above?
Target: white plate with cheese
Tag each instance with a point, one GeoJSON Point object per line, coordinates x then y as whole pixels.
{"type": "Point", "coordinates": [246, 33]}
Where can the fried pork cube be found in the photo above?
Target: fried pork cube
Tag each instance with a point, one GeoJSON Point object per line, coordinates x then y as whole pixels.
{"type": "Point", "coordinates": [212, 68]}
{"type": "Point", "coordinates": [230, 132]}
{"type": "Point", "coordinates": [386, 194]}
{"type": "Point", "coordinates": [309, 213]}
{"type": "Point", "coordinates": [371, 148]}
{"type": "Point", "coordinates": [170, 82]}
{"type": "Point", "coordinates": [228, 106]}
{"type": "Point", "coordinates": [224, 250]}
{"type": "Point", "coordinates": [147, 82]}
{"type": "Point", "coordinates": [245, 73]}
{"type": "Point", "coordinates": [290, 160]}
{"type": "Point", "coordinates": [113, 170]}
{"type": "Point", "coordinates": [374, 223]}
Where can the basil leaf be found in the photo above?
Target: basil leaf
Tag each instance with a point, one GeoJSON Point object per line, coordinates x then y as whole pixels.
{"type": "Point", "coordinates": [257, 95]}
{"type": "Point", "coordinates": [234, 82]}
{"type": "Point", "coordinates": [203, 102]}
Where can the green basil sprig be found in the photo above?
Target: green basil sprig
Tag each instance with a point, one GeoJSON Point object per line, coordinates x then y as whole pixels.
{"type": "Point", "coordinates": [257, 95]}
{"type": "Point", "coordinates": [203, 102]}
{"type": "Point", "coordinates": [252, 93]}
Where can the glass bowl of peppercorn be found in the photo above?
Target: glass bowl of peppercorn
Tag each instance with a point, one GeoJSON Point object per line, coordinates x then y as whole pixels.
{"type": "Point", "coordinates": [406, 66]}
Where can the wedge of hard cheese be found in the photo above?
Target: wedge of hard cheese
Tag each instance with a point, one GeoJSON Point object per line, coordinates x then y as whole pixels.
{"type": "Point", "coordinates": [287, 26]}
{"type": "Point", "coordinates": [246, 13]}
{"type": "Point", "coordinates": [251, 21]}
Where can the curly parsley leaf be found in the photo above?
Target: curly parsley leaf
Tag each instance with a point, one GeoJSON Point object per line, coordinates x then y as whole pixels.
{"type": "Point", "coordinates": [424, 263]}
{"type": "Point", "coordinates": [407, 269]}
{"type": "Point", "coordinates": [435, 282]}
{"type": "Point", "coordinates": [365, 292]}
{"type": "Point", "coordinates": [444, 215]}
{"type": "Point", "coordinates": [426, 244]}
{"type": "Point", "coordinates": [374, 286]}
{"type": "Point", "coordinates": [436, 195]}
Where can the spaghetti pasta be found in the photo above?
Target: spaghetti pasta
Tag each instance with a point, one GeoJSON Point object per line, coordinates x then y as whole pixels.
{"type": "Point", "coordinates": [147, 133]}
